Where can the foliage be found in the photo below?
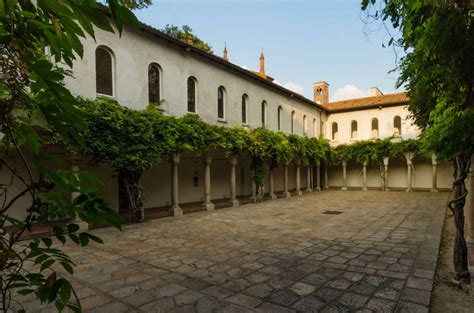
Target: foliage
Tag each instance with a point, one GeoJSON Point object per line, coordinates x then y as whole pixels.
{"type": "Point", "coordinates": [32, 100]}
{"type": "Point", "coordinates": [137, 4]}
{"type": "Point", "coordinates": [185, 34]}
{"type": "Point", "coordinates": [437, 71]}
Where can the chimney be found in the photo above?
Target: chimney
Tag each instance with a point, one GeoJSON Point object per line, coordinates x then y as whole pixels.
{"type": "Point", "coordinates": [321, 93]}
{"type": "Point", "coordinates": [374, 92]}
{"type": "Point", "coordinates": [225, 53]}
{"type": "Point", "coordinates": [262, 63]}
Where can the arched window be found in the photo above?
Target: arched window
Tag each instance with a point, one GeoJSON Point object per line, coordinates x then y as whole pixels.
{"type": "Point", "coordinates": [264, 113]}
{"type": "Point", "coordinates": [220, 102]}
{"type": "Point", "coordinates": [292, 122]}
{"type": "Point", "coordinates": [154, 83]}
{"type": "Point", "coordinates": [280, 112]}
{"type": "Point", "coordinates": [397, 126]}
{"type": "Point", "coordinates": [192, 82]}
{"type": "Point", "coordinates": [314, 128]}
{"type": "Point", "coordinates": [305, 126]}
{"type": "Point", "coordinates": [334, 134]}
{"type": "Point", "coordinates": [244, 108]}
{"type": "Point", "coordinates": [375, 128]}
{"type": "Point", "coordinates": [104, 72]}
{"type": "Point", "coordinates": [353, 130]}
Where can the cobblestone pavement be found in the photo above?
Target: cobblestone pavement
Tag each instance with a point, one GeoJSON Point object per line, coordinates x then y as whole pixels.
{"type": "Point", "coordinates": [378, 255]}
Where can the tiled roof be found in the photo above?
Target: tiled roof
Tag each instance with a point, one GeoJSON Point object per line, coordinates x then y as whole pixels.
{"type": "Point", "coordinates": [368, 102]}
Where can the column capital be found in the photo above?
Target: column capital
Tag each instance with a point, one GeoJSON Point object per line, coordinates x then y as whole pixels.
{"type": "Point", "coordinates": [233, 159]}
{"type": "Point", "coordinates": [385, 161]}
{"type": "Point", "coordinates": [208, 158]}
{"type": "Point", "coordinates": [297, 161]}
{"type": "Point", "coordinates": [434, 159]}
{"type": "Point", "coordinates": [318, 162]}
{"type": "Point", "coordinates": [175, 158]}
{"type": "Point", "coordinates": [344, 163]}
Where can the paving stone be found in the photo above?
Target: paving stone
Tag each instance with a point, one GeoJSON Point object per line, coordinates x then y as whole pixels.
{"type": "Point", "coordinates": [302, 289]}
{"type": "Point", "coordinates": [261, 290]}
{"type": "Point", "coordinates": [209, 304]}
{"type": "Point", "coordinates": [353, 301]}
{"type": "Point", "coordinates": [273, 308]}
{"type": "Point", "coordinates": [217, 292]}
{"type": "Point", "coordinates": [335, 308]}
{"type": "Point", "coordinates": [169, 290]}
{"type": "Point", "coordinates": [388, 293]}
{"type": "Point", "coordinates": [362, 288]}
{"type": "Point", "coordinates": [309, 304]}
{"type": "Point", "coordinates": [416, 296]}
{"type": "Point", "coordinates": [380, 305]}
{"type": "Point", "coordinates": [420, 283]}
{"type": "Point", "coordinates": [327, 294]}
{"type": "Point", "coordinates": [157, 306]}
{"type": "Point", "coordinates": [244, 300]}
{"type": "Point", "coordinates": [187, 297]}
{"type": "Point", "coordinates": [407, 307]}
{"type": "Point", "coordinates": [339, 283]}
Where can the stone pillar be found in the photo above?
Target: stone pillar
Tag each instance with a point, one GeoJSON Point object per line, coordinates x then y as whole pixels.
{"type": "Point", "coordinates": [344, 175]}
{"type": "Point", "coordinates": [208, 205]}
{"type": "Point", "coordinates": [285, 181]}
{"type": "Point", "coordinates": [326, 177]}
{"type": "Point", "coordinates": [434, 162]}
{"type": "Point", "coordinates": [233, 192]}
{"type": "Point", "coordinates": [177, 211]}
{"type": "Point", "coordinates": [318, 175]}
{"type": "Point", "coordinates": [385, 178]}
{"type": "Point", "coordinates": [83, 226]}
{"type": "Point", "coordinates": [271, 187]}
{"type": "Point", "coordinates": [409, 157]}
{"type": "Point", "coordinates": [308, 179]}
{"type": "Point", "coordinates": [298, 178]}
{"type": "Point", "coordinates": [364, 175]}
{"type": "Point", "coordinates": [470, 204]}
{"type": "Point", "coordinates": [254, 189]}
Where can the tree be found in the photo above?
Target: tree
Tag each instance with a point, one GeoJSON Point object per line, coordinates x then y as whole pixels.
{"type": "Point", "coordinates": [437, 37]}
{"type": "Point", "coordinates": [185, 34]}
{"type": "Point", "coordinates": [33, 101]}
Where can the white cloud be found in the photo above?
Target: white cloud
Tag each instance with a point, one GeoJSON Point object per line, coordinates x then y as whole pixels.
{"type": "Point", "coordinates": [291, 86]}
{"type": "Point", "coordinates": [349, 92]}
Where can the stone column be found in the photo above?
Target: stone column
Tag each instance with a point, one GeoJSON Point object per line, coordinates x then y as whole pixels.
{"type": "Point", "coordinates": [364, 175]}
{"type": "Point", "coordinates": [285, 181]}
{"type": "Point", "coordinates": [385, 178]}
{"type": "Point", "coordinates": [254, 189]}
{"type": "Point", "coordinates": [271, 187]}
{"type": "Point", "coordinates": [308, 179]}
{"type": "Point", "coordinates": [177, 211]}
{"type": "Point", "coordinates": [207, 183]}
{"type": "Point", "coordinates": [434, 162]}
{"type": "Point", "coordinates": [318, 175]}
{"type": "Point", "coordinates": [83, 226]}
{"type": "Point", "coordinates": [470, 205]}
{"type": "Point", "coordinates": [233, 192]}
{"type": "Point", "coordinates": [344, 175]}
{"type": "Point", "coordinates": [409, 157]}
{"type": "Point", "coordinates": [326, 177]}
{"type": "Point", "coordinates": [298, 178]}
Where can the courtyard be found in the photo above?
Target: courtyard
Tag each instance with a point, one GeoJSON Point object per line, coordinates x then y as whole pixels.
{"type": "Point", "coordinates": [331, 251]}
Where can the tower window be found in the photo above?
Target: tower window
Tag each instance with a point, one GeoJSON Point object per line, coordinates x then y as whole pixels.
{"type": "Point", "coordinates": [375, 128]}
{"type": "Point", "coordinates": [220, 102]}
{"type": "Point", "coordinates": [353, 130]}
{"type": "Point", "coordinates": [334, 133]}
{"type": "Point", "coordinates": [279, 117]}
{"type": "Point", "coordinates": [264, 113]}
{"type": "Point", "coordinates": [244, 108]}
{"type": "Point", "coordinates": [292, 122]}
{"type": "Point", "coordinates": [305, 126]}
{"type": "Point", "coordinates": [397, 126]}
{"type": "Point", "coordinates": [104, 71]}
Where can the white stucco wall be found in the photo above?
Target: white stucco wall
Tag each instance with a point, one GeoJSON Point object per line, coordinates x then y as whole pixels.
{"type": "Point", "coordinates": [133, 52]}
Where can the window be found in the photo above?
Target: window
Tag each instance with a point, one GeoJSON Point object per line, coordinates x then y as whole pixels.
{"type": "Point", "coordinates": [244, 108]}
{"type": "Point", "coordinates": [314, 128]}
{"type": "Point", "coordinates": [353, 130]}
{"type": "Point", "coordinates": [264, 113]}
{"type": "Point", "coordinates": [154, 84]}
{"type": "Point", "coordinates": [375, 128]}
{"type": "Point", "coordinates": [334, 133]}
{"type": "Point", "coordinates": [220, 102]}
{"type": "Point", "coordinates": [292, 122]}
{"type": "Point", "coordinates": [280, 111]}
{"type": "Point", "coordinates": [104, 71]}
{"type": "Point", "coordinates": [397, 126]}
{"type": "Point", "coordinates": [192, 94]}
{"type": "Point", "coordinates": [304, 125]}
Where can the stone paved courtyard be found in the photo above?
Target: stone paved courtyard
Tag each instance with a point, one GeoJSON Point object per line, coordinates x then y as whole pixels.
{"type": "Point", "coordinates": [378, 255]}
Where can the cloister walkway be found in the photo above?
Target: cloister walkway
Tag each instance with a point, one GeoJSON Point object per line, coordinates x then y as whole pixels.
{"type": "Point", "coordinates": [331, 251]}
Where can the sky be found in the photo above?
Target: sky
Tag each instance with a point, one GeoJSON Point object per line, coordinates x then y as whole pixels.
{"type": "Point", "coordinates": [304, 41]}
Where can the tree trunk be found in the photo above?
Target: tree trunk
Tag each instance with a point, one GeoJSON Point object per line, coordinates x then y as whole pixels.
{"type": "Point", "coordinates": [130, 200]}
{"type": "Point", "coordinates": [461, 171]}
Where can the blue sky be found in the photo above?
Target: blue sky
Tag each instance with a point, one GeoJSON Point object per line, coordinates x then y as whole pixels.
{"type": "Point", "coordinates": [304, 41]}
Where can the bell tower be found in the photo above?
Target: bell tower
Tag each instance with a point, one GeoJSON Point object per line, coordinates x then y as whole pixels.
{"type": "Point", "coordinates": [321, 93]}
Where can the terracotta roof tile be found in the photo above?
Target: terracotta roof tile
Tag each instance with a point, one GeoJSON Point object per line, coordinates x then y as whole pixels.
{"type": "Point", "coordinates": [368, 102]}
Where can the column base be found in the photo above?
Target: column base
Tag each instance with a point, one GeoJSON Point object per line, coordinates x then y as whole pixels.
{"type": "Point", "coordinates": [299, 192]}
{"type": "Point", "coordinates": [273, 196]}
{"type": "Point", "coordinates": [309, 190]}
{"type": "Point", "coordinates": [318, 188]}
{"type": "Point", "coordinates": [326, 187]}
{"type": "Point", "coordinates": [287, 194]}
{"type": "Point", "coordinates": [364, 189]}
{"type": "Point", "coordinates": [407, 190]}
{"type": "Point", "coordinates": [434, 190]}
{"type": "Point", "coordinates": [235, 202]}
{"type": "Point", "coordinates": [208, 206]}
{"type": "Point", "coordinates": [177, 211]}
{"type": "Point", "coordinates": [83, 226]}
{"type": "Point", "coordinates": [343, 188]}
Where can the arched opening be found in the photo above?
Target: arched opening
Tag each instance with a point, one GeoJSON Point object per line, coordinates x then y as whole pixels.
{"type": "Point", "coordinates": [353, 130]}
{"type": "Point", "coordinates": [104, 71]}
{"type": "Point", "coordinates": [280, 111]}
{"type": "Point", "coordinates": [397, 126]}
{"type": "Point", "coordinates": [375, 128]}
{"type": "Point", "coordinates": [334, 132]}
{"type": "Point", "coordinates": [292, 122]}
{"type": "Point", "coordinates": [264, 113]}
{"type": "Point", "coordinates": [305, 126]}
{"type": "Point", "coordinates": [314, 128]}
{"type": "Point", "coordinates": [220, 102]}
{"type": "Point", "coordinates": [244, 108]}
{"type": "Point", "coordinates": [192, 96]}
{"type": "Point", "coordinates": [154, 74]}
